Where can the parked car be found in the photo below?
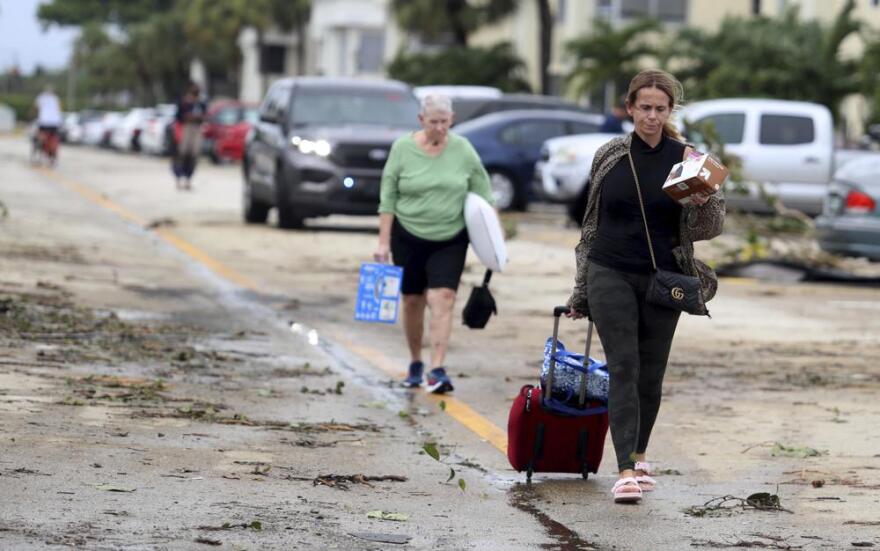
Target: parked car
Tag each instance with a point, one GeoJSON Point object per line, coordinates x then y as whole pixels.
{"type": "Point", "coordinates": [850, 220]}
{"type": "Point", "coordinates": [509, 144]}
{"type": "Point", "coordinates": [126, 135]}
{"type": "Point", "coordinates": [157, 135]}
{"type": "Point", "coordinates": [320, 145]}
{"type": "Point", "coordinates": [226, 126]}
{"type": "Point", "coordinates": [786, 146]}
{"type": "Point", "coordinates": [97, 131]}
{"type": "Point", "coordinates": [458, 91]}
{"type": "Point", "coordinates": [563, 169]}
{"type": "Point", "coordinates": [472, 107]}
{"type": "Point", "coordinates": [71, 128]}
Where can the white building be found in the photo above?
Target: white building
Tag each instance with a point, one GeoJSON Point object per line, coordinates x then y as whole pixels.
{"type": "Point", "coordinates": [350, 38]}
{"type": "Point", "coordinates": [7, 118]}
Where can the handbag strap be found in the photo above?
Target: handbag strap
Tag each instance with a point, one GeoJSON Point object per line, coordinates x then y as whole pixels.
{"type": "Point", "coordinates": [632, 165]}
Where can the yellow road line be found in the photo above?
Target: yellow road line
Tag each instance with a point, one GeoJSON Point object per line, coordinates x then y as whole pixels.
{"type": "Point", "coordinates": [455, 408]}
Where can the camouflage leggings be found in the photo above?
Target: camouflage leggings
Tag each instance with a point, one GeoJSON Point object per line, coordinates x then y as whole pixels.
{"type": "Point", "coordinates": [636, 337]}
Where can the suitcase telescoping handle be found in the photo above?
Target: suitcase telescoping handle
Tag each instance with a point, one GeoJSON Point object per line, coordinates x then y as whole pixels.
{"type": "Point", "coordinates": [582, 394]}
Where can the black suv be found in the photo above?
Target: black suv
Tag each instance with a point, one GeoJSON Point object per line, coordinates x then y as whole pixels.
{"type": "Point", "coordinates": [320, 145]}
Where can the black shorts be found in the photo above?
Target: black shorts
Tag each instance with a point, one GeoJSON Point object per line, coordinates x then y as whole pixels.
{"type": "Point", "coordinates": [428, 264]}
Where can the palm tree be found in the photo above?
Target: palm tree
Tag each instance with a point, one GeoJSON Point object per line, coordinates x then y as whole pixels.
{"type": "Point", "coordinates": [781, 57]}
{"type": "Point", "coordinates": [437, 19]}
{"type": "Point", "coordinates": [608, 57]}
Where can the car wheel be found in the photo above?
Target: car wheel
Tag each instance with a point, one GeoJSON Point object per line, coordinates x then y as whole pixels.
{"type": "Point", "coordinates": [503, 190]}
{"type": "Point", "coordinates": [289, 218]}
{"type": "Point", "coordinates": [254, 210]}
{"type": "Point", "coordinates": [578, 206]}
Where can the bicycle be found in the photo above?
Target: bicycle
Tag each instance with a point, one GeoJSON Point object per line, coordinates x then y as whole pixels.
{"type": "Point", "coordinates": [44, 146]}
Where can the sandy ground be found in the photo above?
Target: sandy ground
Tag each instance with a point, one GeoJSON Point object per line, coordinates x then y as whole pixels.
{"type": "Point", "coordinates": [127, 364]}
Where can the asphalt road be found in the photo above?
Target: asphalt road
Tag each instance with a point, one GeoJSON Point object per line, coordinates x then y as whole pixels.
{"type": "Point", "coordinates": [231, 387]}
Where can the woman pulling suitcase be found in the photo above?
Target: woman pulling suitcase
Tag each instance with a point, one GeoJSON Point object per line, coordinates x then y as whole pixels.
{"type": "Point", "coordinates": [632, 228]}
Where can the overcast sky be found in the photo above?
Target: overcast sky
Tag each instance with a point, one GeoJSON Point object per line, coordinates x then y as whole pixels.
{"type": "Point", "coordinates": [23, 42]}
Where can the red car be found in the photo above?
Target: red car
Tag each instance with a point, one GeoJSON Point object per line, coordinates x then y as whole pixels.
{"type": "Point", "coordinates": [226, 126]}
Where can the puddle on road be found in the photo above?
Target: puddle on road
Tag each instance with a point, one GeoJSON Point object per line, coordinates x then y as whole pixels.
{"type": "Point", "coordinates": [565, 539]}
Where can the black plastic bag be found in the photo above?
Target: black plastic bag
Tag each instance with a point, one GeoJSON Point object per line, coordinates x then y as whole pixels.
{"type": "Point", "coordinates": [480, 305]}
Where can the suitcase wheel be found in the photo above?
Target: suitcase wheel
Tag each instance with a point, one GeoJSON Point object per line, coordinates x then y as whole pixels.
{"type": "Point", "coordinates": [529, 472]}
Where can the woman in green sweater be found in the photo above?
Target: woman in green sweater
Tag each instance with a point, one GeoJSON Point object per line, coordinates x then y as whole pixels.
{"type": "Point", "coordinates": [421, 225]}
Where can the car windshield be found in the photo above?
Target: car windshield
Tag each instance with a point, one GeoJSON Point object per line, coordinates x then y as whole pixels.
{"type": "Point", "coordinates": [252, 115]}
{"type": "Point", "coordinates": [333, 107]}
{"type": "Point", "coordinates": [229, 115]}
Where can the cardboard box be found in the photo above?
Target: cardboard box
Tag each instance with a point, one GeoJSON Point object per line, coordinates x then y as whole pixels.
{"type": "Point", "coordinates": [699, 172]}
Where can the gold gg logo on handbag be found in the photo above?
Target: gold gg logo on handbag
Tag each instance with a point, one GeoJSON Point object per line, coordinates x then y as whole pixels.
{"type": "Point", "coordinates": [677, 293]}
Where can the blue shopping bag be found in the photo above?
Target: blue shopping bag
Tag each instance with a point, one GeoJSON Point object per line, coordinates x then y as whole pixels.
{"type": "Point", "coordinates": [569, 372]}
{"type": "Point", "coordinates": [378, 297]}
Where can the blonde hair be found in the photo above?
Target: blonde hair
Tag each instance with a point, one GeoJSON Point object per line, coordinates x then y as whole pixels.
{"type": "Point", "coordinates": [436, 102]}
{"type": "Point", "coordinates": [666, 83]}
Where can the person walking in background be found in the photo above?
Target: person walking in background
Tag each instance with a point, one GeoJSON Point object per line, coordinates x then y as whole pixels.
{"type": "Point", "coordinates": [614, 266]}
{"type": "Point", "coordinates": [49, 120]}
{"type": "Point", "coordinates": [613, 123]}
{"type": "Point", "coordinates": [187, 136]}
{"type": "Point", "coordinates": [421, 226]}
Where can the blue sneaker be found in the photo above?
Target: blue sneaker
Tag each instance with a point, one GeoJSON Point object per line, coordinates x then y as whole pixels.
{"type": "Point", "coordinates": [414, 379]}
{"type": "Point", "coordinates": [438, 381]}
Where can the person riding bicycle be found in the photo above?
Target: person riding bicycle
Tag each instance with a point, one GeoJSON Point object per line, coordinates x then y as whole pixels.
{"type": "Point", "coordinates": [49, 119]}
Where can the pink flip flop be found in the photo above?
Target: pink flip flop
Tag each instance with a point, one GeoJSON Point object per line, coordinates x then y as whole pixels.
{"type": "Point", "coordinates": [626, 490]}
{"type": "Point", "coordinates": [645, 481]}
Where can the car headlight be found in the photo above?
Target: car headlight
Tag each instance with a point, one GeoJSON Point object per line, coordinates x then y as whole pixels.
{"type": "Point", "coordinates": [321, 148]}
{"type": "Point", "coordinates": [565, 156]}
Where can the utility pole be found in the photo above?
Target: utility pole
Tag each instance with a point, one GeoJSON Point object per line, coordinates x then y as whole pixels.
{"type": "Point", "coordinates": [71, 82]}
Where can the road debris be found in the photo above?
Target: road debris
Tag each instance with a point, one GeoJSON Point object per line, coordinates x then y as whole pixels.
{"type": "Point", "coordinates": [726, 505]}
{"type": "Point", "coordinates": [344, 482]}
{"type": "Point", "coordinates": [385, 515]}
{"type": "Point", "coordinates": [397, 539]}
{"type": "Point", "coordinates": [113, 488]}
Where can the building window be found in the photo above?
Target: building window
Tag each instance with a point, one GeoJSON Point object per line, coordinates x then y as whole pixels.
{"type": "Point", "coordinates": [605, 9]}
{"type": "Point", "coordinates": [272, 59]}
{"type": "Point", "coordinates": [371, 52]}
{"type": "Point", "coordinates": [672, 10]}
{"type": "Point", "coordinates": [635, 8]}
{"type": "Point", "coordinates": [875, 3]}
{"type": "Point", "coordinates": [756, 7]}
{"type": "Point", "coordinates": [561, 9]}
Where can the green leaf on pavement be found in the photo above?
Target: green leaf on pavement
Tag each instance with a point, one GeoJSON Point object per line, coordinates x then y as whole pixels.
{"type": "Point", "coordinates": [442, 405]}
{"type": "Point", "coordinates": [431, 449]}
{"type": "Point", "coordinates": [451, 474]}
{"type": "Point", "coordinates": [256, 525]}
{"type": "Point", "coordinates": [781, 450]}
{"type": "Point", "coordinates": [385, 515]}
{"type": "Point", "coordinates": [462, 484]}
{"type": "Point", "coordinates": [403, 415]}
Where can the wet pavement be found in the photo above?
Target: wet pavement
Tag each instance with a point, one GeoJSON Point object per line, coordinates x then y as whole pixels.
{"type": "Point", "coordinates": [198, 362]}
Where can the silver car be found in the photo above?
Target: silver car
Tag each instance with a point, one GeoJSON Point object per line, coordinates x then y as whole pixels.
{"type": "Point", "coordinates": [850, 220]}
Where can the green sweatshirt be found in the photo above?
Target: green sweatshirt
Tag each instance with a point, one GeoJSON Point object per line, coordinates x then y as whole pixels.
{"type": "Point", "coordinates": [426, 194]}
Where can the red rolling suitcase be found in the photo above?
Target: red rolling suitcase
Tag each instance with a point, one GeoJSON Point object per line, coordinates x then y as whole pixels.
{"type": "Point", "coordinates": [543, 439]}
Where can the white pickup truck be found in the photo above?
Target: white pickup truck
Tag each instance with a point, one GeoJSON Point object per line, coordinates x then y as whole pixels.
{"type": "Point", "coordinates": [786, 145]}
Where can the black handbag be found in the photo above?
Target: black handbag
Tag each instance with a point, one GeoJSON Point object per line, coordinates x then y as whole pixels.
{"type": "Point", "coordinates": [669, 289]}
{"type": "Point", "coordinates": [480, 305]}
